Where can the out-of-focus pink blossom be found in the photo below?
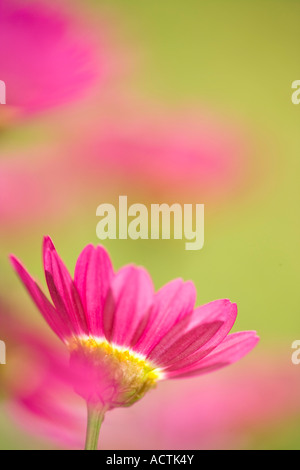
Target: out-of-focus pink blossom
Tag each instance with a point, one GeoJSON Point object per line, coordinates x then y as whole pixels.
{"type": "Point", "coordinates": [38, 378]}
{"type": "Point", "coordinates": [168, 154]}
{"type": "Point", "coordinates": [226, 410]}
{"type": "Point", "coordinates": [47, 56]}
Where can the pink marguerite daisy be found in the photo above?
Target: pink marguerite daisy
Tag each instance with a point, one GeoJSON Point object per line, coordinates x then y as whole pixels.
{"type": "Point", "coordinates": [123, 337]}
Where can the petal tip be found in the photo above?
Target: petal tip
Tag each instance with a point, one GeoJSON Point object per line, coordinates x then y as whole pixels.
{"type": "Point", "coordinates": [13, 261]}
{"type": "Point", "coordinates": [48, 243]}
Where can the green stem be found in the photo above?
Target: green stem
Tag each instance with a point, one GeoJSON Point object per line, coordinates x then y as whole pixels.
{"type": "Point", "coordinates": [95, 419]}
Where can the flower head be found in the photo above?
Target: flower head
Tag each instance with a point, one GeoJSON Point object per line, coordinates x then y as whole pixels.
{"type": "Point", "coordinates": [122, 336]}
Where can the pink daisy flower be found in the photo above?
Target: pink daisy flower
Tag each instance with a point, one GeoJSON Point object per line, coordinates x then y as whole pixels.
{"type": "Point", "coordinates": [47, 57]}
{"type": "Point", "coordinates": [123, 337]}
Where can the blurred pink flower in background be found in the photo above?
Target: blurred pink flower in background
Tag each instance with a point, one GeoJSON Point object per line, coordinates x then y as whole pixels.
{"type": "Point", "coordinates": [172, 158]}
{"type": "Point", "coordinates": [167, 153]}
{"type": "Point", "coordinates": [47, 56]}
{"type": "Point", "coordinates": [37, 369]}
{"type": "Point", "coordinates": [225, 410]}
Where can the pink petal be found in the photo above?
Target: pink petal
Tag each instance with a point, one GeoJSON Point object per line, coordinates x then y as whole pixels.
{"type": "Point", "coordinates": [171, 303]}
{"type": "Point", "coordinates": [62, 289]}
{"type": "Point", "coordinates": [232, 349]}
{"type": "Point", "coordinates": [217, 311]}
{"type": "Point", "coordinates": [178, 344]}
{"type": "Point", "coordinates": [57, 321]}
{"type": "Point", "coordinates": [128, 301]}
{"type": "Point", "coordinates": [93, 275]}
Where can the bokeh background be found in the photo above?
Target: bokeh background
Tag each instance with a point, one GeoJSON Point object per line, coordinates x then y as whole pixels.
{"type": "Point", "coordinates": [165, 102]}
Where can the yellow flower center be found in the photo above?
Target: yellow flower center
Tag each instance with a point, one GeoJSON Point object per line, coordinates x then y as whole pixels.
{"type": "Point", "coordinates": [127, 376]}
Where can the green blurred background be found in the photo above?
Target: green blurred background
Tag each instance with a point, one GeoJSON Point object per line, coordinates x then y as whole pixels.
{"type": "Point", "coordinates": [238, 59]}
